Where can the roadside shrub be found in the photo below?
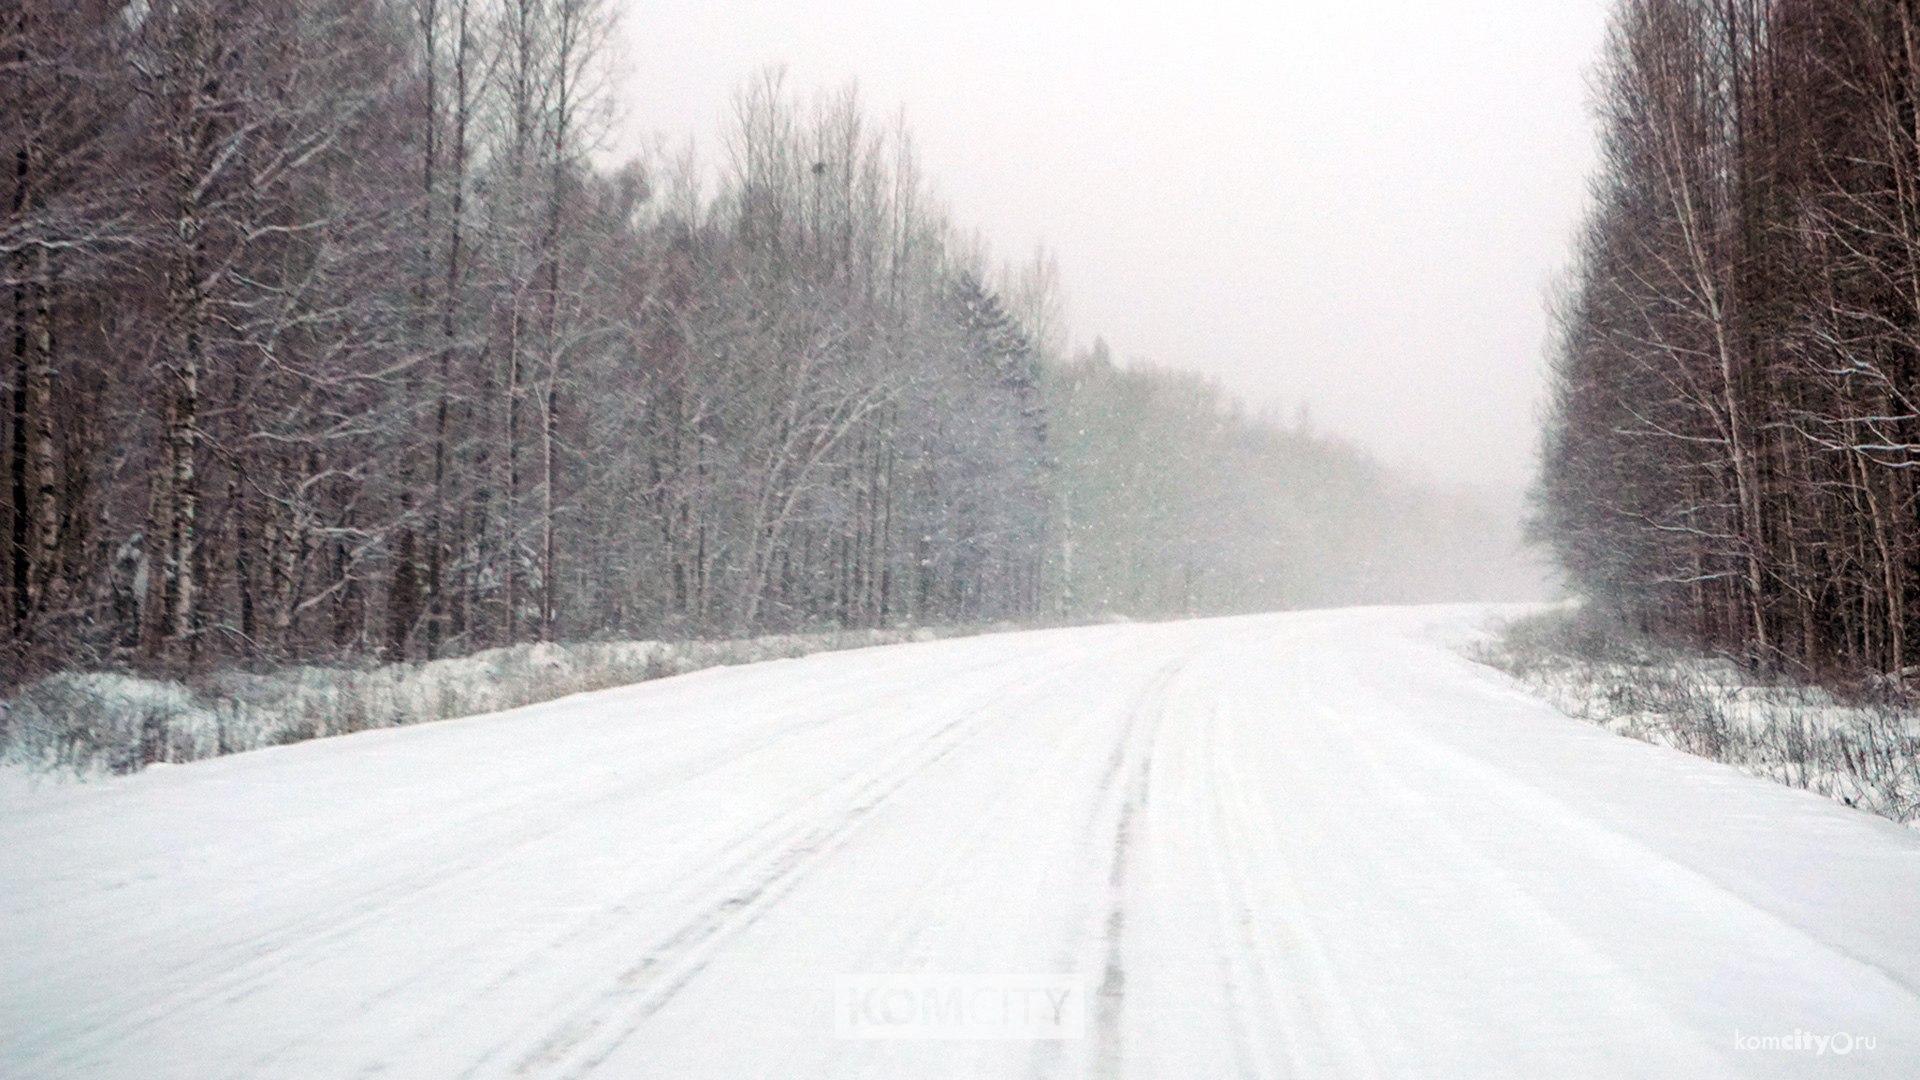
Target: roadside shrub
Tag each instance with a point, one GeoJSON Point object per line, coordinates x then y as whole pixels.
{"type": "Point", "coordinates": [97, 722]}
{"type": "Point", "coordinates": [1863, 750]}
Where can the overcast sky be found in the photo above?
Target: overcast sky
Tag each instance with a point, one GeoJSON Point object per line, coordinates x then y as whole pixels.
{"type": "Point", "coordinates": [1356, 204]}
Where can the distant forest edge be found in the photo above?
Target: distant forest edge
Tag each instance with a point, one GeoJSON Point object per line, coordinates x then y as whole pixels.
{"type": "Point", "coordinates": [327, 338]}
{"type": "Point", "coordinates": [1733, 452]}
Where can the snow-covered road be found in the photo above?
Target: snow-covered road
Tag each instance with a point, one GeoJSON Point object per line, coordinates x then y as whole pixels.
{"type": "Point", "coordinates": [1313, 845]}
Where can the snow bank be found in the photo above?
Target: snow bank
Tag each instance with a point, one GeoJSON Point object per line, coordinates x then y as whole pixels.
{"type": "Point", "coordinates": [1865, 753]}
{"type": "Point", "coordinates": [89, 723]}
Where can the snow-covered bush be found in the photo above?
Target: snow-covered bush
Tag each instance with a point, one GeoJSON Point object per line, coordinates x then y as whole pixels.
{"type": "Point", "coordinates": [103, 721]}
{"type": "Point", "coordinates": [96, 722]}
{"type": "Point", "coordinates": [1864, 751]}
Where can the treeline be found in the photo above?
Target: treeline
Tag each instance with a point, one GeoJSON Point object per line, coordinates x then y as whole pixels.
{"type": "Point", "coordinates": [1731, 455]}
{"type": "Point", "coordinates": [330, 335]}
{"type": "Point", "coordinates": [327, 338]}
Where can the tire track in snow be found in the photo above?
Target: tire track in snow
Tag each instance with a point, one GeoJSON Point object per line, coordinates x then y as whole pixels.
{"type": "Point", "coordinates": [1245, 985]}
{"type": "Point", "coordinates": [1109, 1000]}
{"type": "Point", "coordinates": [1312, 1013]}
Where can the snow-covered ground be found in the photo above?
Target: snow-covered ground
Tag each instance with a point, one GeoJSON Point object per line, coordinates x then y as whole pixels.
{"type": "Point", "coordinates": [1316, 845]}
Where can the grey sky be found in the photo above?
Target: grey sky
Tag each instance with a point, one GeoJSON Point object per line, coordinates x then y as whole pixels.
{"type": "Point", "coordinates": [1357, 204]}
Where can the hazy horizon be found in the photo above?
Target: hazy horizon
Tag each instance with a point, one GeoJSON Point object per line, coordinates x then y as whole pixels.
{"type": "Point", "coordinates": [1356, 210]}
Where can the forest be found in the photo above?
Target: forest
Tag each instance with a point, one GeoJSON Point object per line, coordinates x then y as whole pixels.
{"type": "Point", "coordinates": [1734, 436]}
{"type": "Point", "coordinates": [333, 334]}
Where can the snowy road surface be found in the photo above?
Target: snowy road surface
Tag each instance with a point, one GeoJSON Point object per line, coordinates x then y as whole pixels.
{"type": "Point", "coordinates": [1312, 845]}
